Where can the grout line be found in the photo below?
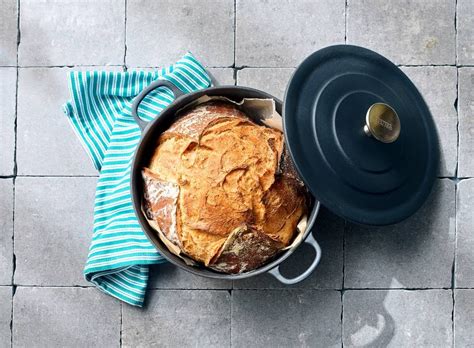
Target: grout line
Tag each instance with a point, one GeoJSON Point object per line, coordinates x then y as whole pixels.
{"type": "Point", "coordinates": [15, 169]}
{"type": "Point", "coordinates": [238, 67]}
{"type": "Point", "coordinates": [160, 67]}
{"type": "Point", "coordinates": [216, 289]}
{"type": "Point", "coordinates": [235, 42]}
{"type": "Point", "coordinates": [55, 176]}
{"type": "Point", "coordinates": [342, 318]}
{"type": "Point", "coordinates": [453, 269]}
{"type": "Point", "coordinates": [45, 286]}
{"type": "Point", "coordinates": [69, 66]}
{"type": "Point", "coordinates": [290, 289]}
{"type": "Point", "coordinates": [344, 254]}
{"type": "Point", "coordinates": [345, 20]}
{"type": "Point", "coordinates": [401, 289]}
{"type": "Point", "coordinates": [125, 38]}
{"type": "Point", "coordinates": [11, 321]}
{"type": "Point", "coordinates": [18, 32]}
{"type": "Point", "coordinates": [457, 88]}
{"type": "Point", "coordinates": [235, 29]}
{"type": "Point", "coordinates": [453, 320]}
{"type": "Point", "coordinates": [456, 104]}
{"type": "Point", "coordinates": [284, 287]}
{"type": "Point", "coordinates": [242, 67]}
{"type": "Point", "coordinates": [245, 289]}
{"type": "Point", "coordinates": [454, 178]}
{"type": "Point", "coordinates": [456, 31]}
{"type": "Point", "coordinates": [13, 253]}
{"type": "Point", "coordinates": [323, 290]}
{"type": "Point", "coordinates": [456, 192]}
{"type": "Point", "coordinates": [56, 286]}
{"type": "Point", "coordinates": [231, 313]}
{"type": "Point", "coordinates": [194, 289]}
{"type": "Point", "coordinates": [343, 279]}
{"type": "Point", "coordinates": [121, 321]}
{"type": "Point", "coordinates": [425, 65]}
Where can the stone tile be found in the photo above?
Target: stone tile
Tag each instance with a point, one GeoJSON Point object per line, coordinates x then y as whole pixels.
{"type": "Point", "coordinates": [397, 318]}
{"type": "Point", "coordinates": [440, 98]}
{"type": "Point", "coordinates": [65, 317]}
{"type": "Point", "coordinates": [466, 122]}
{"type": "Point", "coordinates": [7, 120]}
{"type": "Point", "coordinates": [179, 319]}
{"type": "Point", "coordinates": [465, 31]}
{"type": "Point", "coordinates": [406, 32]}
{"type": "Point", "coordinates": [53, 227]}
{"type": "Point", "coordinates": [465, 234]}
{"type": "Point", "coordinates": [169, 276]}
{"type": "Point", "coordinates": [270, 80]}
{"type": "Point", "coordinates": [283, 33]}
{"type": "Point", "coordinates": [6, 231]}
{"type": "Point", "coordinates": [328, 231]}
{"type": "Point", "coordinates": [8, 31]}
{"type": "Point", "coordinates": [46, 142]}
{"type": "Point", "coordinates": [159, 32]}
{"type": "Point", "coordinates": [76, 32]}
{"type": "Point", "coordinates": [224, 76]}
{"type": "Point", "coordinates": [463, 318]}
{"type": "Point", "coordinates": [5, 315]}
{"type": "Point", "coordinates": [286, 318]}
{"type": "Point", "coordinates": [416, 253]}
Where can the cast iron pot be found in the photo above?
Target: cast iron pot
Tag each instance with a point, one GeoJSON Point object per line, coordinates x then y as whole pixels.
{"type": "Point", "coordinates": [146, 146]}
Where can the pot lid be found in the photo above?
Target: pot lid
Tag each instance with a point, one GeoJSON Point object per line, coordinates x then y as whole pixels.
{"type": "Point", "coordinates": [361, 135]}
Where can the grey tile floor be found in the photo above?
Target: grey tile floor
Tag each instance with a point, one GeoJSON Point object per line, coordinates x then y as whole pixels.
{"type": "Point", "coordinates": [408, 285]}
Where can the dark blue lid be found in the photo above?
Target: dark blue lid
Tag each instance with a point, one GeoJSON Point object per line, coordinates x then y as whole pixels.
{"type": "Point", "coordinates": [357, 176]}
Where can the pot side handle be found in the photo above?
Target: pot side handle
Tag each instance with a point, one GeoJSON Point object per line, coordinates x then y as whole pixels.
{"type": "Point", "coordinates": [152, 86]}
{"type": "Point", "coordinates": [276, 271]}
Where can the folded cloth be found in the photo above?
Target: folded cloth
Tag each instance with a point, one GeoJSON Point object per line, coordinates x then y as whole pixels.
{"type": "Point", "coordinates": [100, 113]}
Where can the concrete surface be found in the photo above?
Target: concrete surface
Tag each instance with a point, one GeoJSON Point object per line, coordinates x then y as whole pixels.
{"type": "Point", "coordinates": [407, 285]}
{"type": "Point", "coordinates": [398, 318]}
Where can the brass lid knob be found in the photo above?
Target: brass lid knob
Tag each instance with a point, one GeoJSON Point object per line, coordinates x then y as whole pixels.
{"type": "Point", "coordinates": [382, 123]}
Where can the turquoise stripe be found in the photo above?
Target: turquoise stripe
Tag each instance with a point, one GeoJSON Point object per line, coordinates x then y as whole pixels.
{"type": "Point", "coordinates": [100, 114]}
{"type": "Point", "coordinates": [133, 279]}
{"type": "Point", "coordinates": [98, 133]}
{"type": "Point", "coordinates": [82, 125]}
{"type": "Point", "coordinates": [91, 269]}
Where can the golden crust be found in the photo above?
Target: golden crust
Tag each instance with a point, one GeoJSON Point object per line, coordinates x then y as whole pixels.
{"type": "Point", "coordinates": [238, 200]}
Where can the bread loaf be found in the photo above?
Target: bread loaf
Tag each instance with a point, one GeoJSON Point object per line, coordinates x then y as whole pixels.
{"type": "Point", "coordinates": [222, 189]}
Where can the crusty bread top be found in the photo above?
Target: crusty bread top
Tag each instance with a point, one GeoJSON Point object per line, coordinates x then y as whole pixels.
{"type": "Point", "coordinates": [231, 178]}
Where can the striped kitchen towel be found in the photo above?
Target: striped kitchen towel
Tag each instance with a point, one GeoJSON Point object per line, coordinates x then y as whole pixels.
{"type": "Point", "coordinates": [100, 114]}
